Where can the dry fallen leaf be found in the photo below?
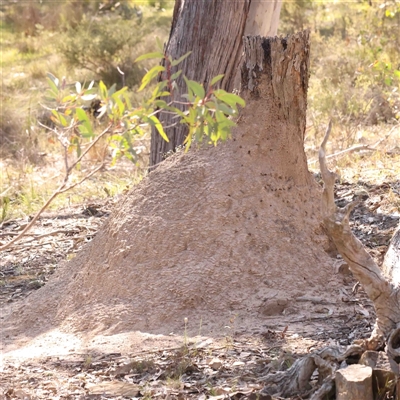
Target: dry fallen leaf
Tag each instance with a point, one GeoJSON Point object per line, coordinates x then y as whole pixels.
{"type": "Point", "coordinates": [115, 388]}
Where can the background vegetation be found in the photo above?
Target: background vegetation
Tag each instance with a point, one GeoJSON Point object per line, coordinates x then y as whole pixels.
{"type": "Point", "coordinates": [355, 80]}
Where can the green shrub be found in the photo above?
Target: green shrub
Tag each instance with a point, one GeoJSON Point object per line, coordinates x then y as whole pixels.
{"type": "Point", "coordinates": [106, 46]}
{"type": "Point", "coordinates": [107, 43]}
{"type": "Point", "coordinates": [30, 17]}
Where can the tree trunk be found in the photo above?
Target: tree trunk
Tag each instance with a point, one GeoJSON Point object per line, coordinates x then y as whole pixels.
{"type": "Point", "coordinates": [213, 31]}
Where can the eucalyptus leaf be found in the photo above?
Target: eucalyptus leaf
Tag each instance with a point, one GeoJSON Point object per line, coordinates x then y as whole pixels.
{"type": "Point", "coordinates": [196, 88]}
{"type": "Point", "coordinates": [149, 56]}
{"type": "Point", "coordinates": [150, 75]}
{"type": "Point", "coordinates": [180, 59]}
{"type": "Point", "coordinates": [159, 127]}
{"type": "Point", "coordinates": [216, 79]}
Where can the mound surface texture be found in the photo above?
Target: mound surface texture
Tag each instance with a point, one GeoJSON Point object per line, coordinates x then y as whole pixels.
{"type": "Point", "coordinates": [222, 236]}
{"type": "Point", "coordinates": [210, 236]}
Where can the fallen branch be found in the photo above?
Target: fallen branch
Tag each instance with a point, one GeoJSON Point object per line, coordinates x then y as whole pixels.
{"type": "Point", "coordinates": [40, 235]}
{"type": "Point", "coordinates": [377, 286]}
{"type": "Point", "coordinates": [296, 380]}
{"type": "Point", "coordinates": [75, 239]}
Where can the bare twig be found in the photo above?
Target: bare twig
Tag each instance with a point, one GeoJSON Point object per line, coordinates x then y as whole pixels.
{"type": "Point", "coordinates": [360, 147]}
{"type": "Point", "coordinates": [29, 243]}
{"type": "Point", "coordinates": [83, 179]}
{"type": "Point", "coordinates": [5, 192]}
{"type": "Point", "coordinates": [79, 159]}
{"type": "Point", "coordinates": [61, 189]}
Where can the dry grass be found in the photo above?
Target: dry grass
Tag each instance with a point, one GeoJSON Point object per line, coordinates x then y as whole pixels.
{"type": "Point", "coordinates": [25, 187]}
{"type": "Point", "coordinates": [382, 164]}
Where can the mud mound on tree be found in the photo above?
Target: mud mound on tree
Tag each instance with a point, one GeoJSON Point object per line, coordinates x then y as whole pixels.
{"type": "Point", "coordinates": [217, 235]}
{"type": "Point", "coordinates": [208, 236]}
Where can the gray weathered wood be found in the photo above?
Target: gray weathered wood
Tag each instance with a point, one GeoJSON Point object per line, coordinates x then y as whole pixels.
{"type": "Point", "coordinates": [380, 287]}
{"type": "Point", "coordinates": [354, 383]}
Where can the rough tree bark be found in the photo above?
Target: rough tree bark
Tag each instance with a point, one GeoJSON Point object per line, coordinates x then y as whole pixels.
{"type": "Point", "coordinates": [213, 31]}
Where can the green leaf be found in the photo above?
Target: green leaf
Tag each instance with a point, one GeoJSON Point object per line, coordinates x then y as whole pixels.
{"type": "Point", "coordinates": [211, 105]}
{"type": "Point", "coordinates": [84, 120]}
{"type": "Point", "coordinates": [175, 75]}
{"type": "Point", "coordinates": [53, 79]}
{"type": "Point", "coordinates": [388, 81]}
{"type": "Point", "coordinates": [196, 88]}
{"type": "Point", "coordinates": [229, 98]}
{"type": "Point", "coordinates": [216, 79]}
{"type": "Point", "coordinates": [120, 92]}
{"type": "Point", "coordinates": [226, 110]}
{"type": "Point", "coordinates": [112, 90]}
{"type": "Point", "coordinates": [150, 76]}
{"type": "Point", "coordinates": [158, 90]}
{"type": "Point", "coordinates": [53, 87]}
{"type": "Point", "coordinates": [127, 101]}
{"type": "Point", "coordinates": [121, 106]}
{"type": "Point", "coordinates": [177, 111]}
{"type": "Point", "coordinates": [149, 56]}
{"type": "Point", "coordinates": [60, 118]}
{"type": "Point", "coordinates": [180, 59]}
{"type": "Point", "coordinates": [159, 127]}
{"type": "Point", "coordinates": [103, 90]}
{"type": "Point", "coordinates": [211, 123]}
{"type": "Point", "coordinates": [71, 97]}
{"type": "Point", "coordinates": [161, 104]}
{"type": "Point", "coordinates": [84, 132]}
{"type": "Point", "coordinates": [200, 131]}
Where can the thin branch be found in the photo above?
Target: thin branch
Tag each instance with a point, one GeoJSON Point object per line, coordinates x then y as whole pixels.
{"type": "Point", "coordinates": [34, 219]}
{"type": "Point", "coordinates": [359, 147]}
{"type": "Point", "coordinates": [5, 192]}
{"type": "Point", "coordinates": [41, 236]}
{"type": "Point", "coordinates": [61, 189]}
{"type": "Point", "coordinates": [83, 179]}
{"type": "Point", "coordinates": [89, 147]}
{"type": "Point", "coordinates": [28, 243]}
{"type": "Point", "coordinates": [171, 126]}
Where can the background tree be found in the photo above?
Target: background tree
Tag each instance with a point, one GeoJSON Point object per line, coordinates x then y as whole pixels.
{"type": "Point", "coordinates": [213, 32]}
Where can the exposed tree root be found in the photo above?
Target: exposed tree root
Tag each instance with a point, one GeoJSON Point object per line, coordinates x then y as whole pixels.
{"type": "Point", "coordinates": [296, 380]}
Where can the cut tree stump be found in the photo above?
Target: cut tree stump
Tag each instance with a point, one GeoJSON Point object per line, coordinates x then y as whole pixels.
{"type": "Point", "coordinates": [354, 383]}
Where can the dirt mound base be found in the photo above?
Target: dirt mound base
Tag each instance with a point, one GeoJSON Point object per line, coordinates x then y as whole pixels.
{"type": "Point", "coordinates": [226, 236]}
{"type": "Point", "coordinates": [213, 236]}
